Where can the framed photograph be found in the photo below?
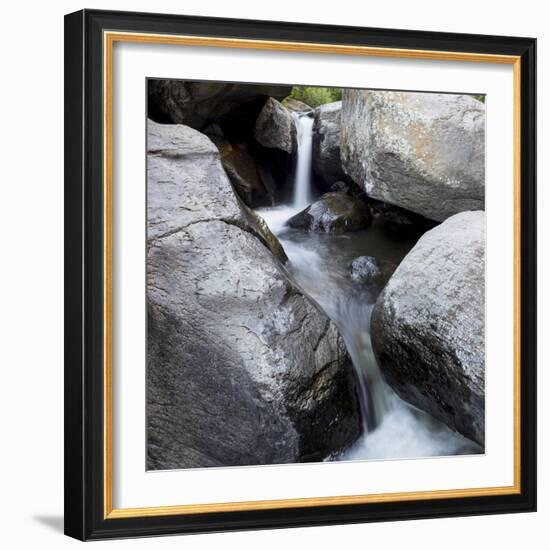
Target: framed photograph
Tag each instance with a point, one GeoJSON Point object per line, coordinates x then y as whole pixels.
{"type": "Point", "coordinates": [300, 274]}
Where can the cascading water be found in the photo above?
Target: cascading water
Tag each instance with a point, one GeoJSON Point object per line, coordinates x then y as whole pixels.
{"type": "Point", "coordinates": [320, 265]}
{"type": "Point", "coordinates": [354, 328]}
{"type": "Point", "coordinates": [353, 320]}
{"type": "Point", "coordinates": [302, 181]}
{"type": "Point", "coordinates": [322, 274]}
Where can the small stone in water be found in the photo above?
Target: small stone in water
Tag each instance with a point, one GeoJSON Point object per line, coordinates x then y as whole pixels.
{"type": "Point", "coordinates": [364, 269]}
{"type": "Point", "coordinates": [334, 213]}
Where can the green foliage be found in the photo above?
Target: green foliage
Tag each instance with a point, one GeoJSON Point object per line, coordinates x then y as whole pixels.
{"type": "Point", "coordinates": [314, 96]}
{"type": "Point", "coordinates": [336, 93]}
{"type": "Point", "coordinates": [480, 98]}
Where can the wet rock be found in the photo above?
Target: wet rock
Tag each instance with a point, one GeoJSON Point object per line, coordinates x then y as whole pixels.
{"type": "Point", "coordinates": [365, 270]}
{"type": "Point", "coordinates": [326, 161]}
{"type": "Point", "coordinates": [333, 213]}
{"type": "Point", "coordinates": [275, 128]}
{"type": "Point", "coordinates": [262, 231]}
{"type": "Point", "coordinates": [242, 367]}
{"type": "Point", "coordinates": [428, 325]}
{"type": "Point", "coordinates": [424, 152]}
{"type": "Point", "coordinates": [245, 175]}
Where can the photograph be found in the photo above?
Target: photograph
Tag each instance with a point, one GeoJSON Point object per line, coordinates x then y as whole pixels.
{"type": "Point", "coordinates": [299, 272]}
{"type": "Point", "coordinates": [315, 274]}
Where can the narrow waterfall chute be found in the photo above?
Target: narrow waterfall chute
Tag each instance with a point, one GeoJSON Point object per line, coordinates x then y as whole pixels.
{"type": "Point", "coordinates": [320, 265]}
{"type": "Point", "coordinates": [302, 181]}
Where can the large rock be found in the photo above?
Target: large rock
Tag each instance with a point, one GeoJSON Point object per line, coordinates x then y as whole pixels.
{"type": "Point", "coordinates": [275, 128]}
{"type": "Point", "coordinates": [326, 161]}
{"type": "Point", "coordinates": [242, 368]}
{"type": "Point", "coordinates": [424, 152]}
{"type": "Point", "coordinates": [197, 104]}
{"type": "Point", "coordinates": [428, 325]}
{"type": "Point", "coordinates": [334, 213]}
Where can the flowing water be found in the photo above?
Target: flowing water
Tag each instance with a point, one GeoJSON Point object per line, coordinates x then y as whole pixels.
{"type": "Point", "coordinates": [302, 191]}
{"type": "Point", "coordinates": [320, 264]}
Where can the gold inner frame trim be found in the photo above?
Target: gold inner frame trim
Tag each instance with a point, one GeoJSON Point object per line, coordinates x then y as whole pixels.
{"type": "Point", "coordinates": [109, 39]}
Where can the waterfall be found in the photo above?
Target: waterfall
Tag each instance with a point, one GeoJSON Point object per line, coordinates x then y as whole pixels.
{"type": "Point", "coordinates": [352, 313]}
{"type": "Point", "coordinates": [320, 265]}
{"type": "Point", "coordinates": [302, 181]}
{"type": "Point", "coordinates": [316, 265]}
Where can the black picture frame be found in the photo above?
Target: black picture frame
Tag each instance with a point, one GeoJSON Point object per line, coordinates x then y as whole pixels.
{"type": "Point", "coordinates": [84, 282]}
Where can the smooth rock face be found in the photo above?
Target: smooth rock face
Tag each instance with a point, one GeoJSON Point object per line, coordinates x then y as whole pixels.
{"type": "Point", "coordinates": [326, 144]}
{"type": "Point", "coordinates": [428, 325]}
{"type": "Point", "coordinates": [365, 269]}
{"type": "Point", "coordinates": [275, 128]}
{"type": "Point", "coordinates": [333, 213]}
{"type": "Point", "coordinates": [424, 152]}
{"type": "Point", "coordinates": [242, 368]}
{"type": "Point", "coordinates": [197, 104]}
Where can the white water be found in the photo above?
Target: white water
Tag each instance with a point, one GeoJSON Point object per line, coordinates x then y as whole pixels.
{"type": "Point", "coordinates": [320, 265]}
{"type": "Point", "coordinates": [302, 181]}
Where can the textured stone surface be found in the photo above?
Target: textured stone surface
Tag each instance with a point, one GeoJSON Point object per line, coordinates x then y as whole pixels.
{"type": "Point", "coordinates": [333, 213]}
{"type": "Point", "coordinates": [197, 104]}
{"type": "Point", "coordinates": [428, 325]}
{"type": "Point", "coordinates": [242, 368]}
{"type": "Point", "coordinates": [421, 151]}
{"type": "Point", "coordinates": [326, 161]}
{"type": "Point", "coordinates": [275, 128]}
{"type": "Point", "coordinates": [297, 106]}
{"type": "Point", "coordinates": [365, 269]}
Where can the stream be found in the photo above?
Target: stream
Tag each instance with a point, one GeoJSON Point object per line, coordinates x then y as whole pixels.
{"type": "Point", "coordinates": [320, 264]}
